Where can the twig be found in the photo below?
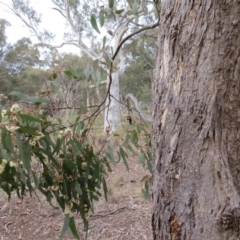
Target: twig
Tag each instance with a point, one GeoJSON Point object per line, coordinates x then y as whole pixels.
{"type": "Point", "coordinates": [2, 208]}
{"type": "Point", "coordinates": [107, 214]}
{"type": "Point", "coordinates": [6, 226]}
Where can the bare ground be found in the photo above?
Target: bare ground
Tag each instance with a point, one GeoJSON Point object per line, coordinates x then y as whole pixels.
{"type": "Point", "coordinates": [125, 216]}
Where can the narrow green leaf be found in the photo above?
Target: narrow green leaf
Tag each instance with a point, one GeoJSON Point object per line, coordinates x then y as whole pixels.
{"type": "Point", "coordinates": [78, 189]}
{"type": "Point", "coordinates": [104, 42]}
{"type": "Point", "coordinates": [38, 100]}
{"type": "Point", "coordinates": [75, 124]}
{"type": "Point", "coordinates": [103, 72]}
{"type": "Point", "coordinates": [111, 4]}
{"type": "Point", "coordinates": [101, 18]}
{"type": "Point", "coordinates": [94, 24]}
{"type": "Point", "coordinates": [19, 95]}
{"type": "Point", "coordinates": [53, 76]}
{"type": "Point", "coordinates": [54, 87]}
{"type": "Point", "coordinates": [29, 99]}
{"type": "Point", "coordinates": [149, 166]}
{"type": "Point", "coordinates": [87, 72]}
{"type": "Point", "coordinates": [25, 152]}
{"type": "Point", "coordinates": [119, 11]}
{"type": "Point", "coordinates": [28, 130]}
{"type": "Point", "coordinates": [98, 77]}
{"type": "Point", "coordinates": [65, 225]}
{"type": "Point", "coordinates": [7, 140]}
{"type": "Point", "coordinates": [124, 157]}
{"type": "Point", "coordinates": [72, 73]}
{"type": "Point", "coordinates": [58, 145]}
{"type": "Point", "coordinates": [27, 117]}
{"type": "Point", "coordinates": [73, 228]}
{"type": "Point", "coordinates": [141, 158]}
{"type": "Point", "coordinates": [107, 58]}
{"type": "Point", "coordinates": [105, 188]}
{"type": "Point", "coordinates": [130, 2]}
{"type": "Point", "coordinates": [0, 112]}
{"type": "Point", "coordinates": [145, 191]}
{"type": "Point", "coordinates": [109, 153]}
{"type": "Point", "coordinates": [80, 127]}
{"type": "Point", "coordinates": [95, 64]}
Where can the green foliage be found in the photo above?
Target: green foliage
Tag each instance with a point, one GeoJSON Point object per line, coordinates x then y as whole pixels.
{"type": "Point", "coordinates": [135, 141]}
{"type": "Point", "coordinates": [73, 73]}
{"type": "Point", "coordinates": [110, 4]}
{"type": "Point", "coordinates": [94, 23]}
{"type": "Point", "coordinates": [18, 66]}
{"type": "Point", "coordinates": [60, 162]}
{"type": "Point", "coordinates": [28, 99]}
{"type": "Point", "coordinates": [139, 139]}
{"type": "Point", "coordinates": [137, 77]}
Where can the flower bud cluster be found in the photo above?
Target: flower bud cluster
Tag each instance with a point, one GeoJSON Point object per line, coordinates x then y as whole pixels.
{"type": "Point", "coordinates": [4, 163]}
{"type": "Point", "coordinates": [66, 133]}
{"type": "Point", "coordinates": [12, 128]}
{"type": "Point", "coordinates": [15, 108]}
{"type": "Point", "coordinates": [36, 139]}
{"type": "Point", "coordinates": [4, 113]}
{"type": "Point", "coordinates": [68, 208]}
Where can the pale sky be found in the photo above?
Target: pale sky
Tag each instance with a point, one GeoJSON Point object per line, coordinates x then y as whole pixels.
{"type": "Point", "coordinates": [51, 20]}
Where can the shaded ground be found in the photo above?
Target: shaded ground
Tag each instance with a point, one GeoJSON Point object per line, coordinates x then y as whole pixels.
{"type": "Point", "coordinates": [126, 215]}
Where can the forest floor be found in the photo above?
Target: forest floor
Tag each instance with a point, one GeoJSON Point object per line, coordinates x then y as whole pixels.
{"type": "Point", "coordinates": [126, 215]}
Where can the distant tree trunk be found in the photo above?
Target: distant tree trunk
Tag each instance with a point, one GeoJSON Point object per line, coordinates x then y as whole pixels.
{"type": "Point", "coordinates": [112, 118]}
{"type": "Point", "coordinates": [196, 125]}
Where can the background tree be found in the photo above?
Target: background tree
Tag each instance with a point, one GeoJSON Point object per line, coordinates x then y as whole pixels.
{"type": "Point", "coordinates": [140, 57]}
{"type": "Point", "coordinates": [195, 138]}
{"type": "Point", "coordinates": [121, 20]}
{"type": "Point", "coordinates": [71, 168]}
{"type": "Point", "coordinates": [3, 47]}
{"type": "Point", "coordinates": [20, 65]}
{"type": "Point", "coordinates": [69, 84]}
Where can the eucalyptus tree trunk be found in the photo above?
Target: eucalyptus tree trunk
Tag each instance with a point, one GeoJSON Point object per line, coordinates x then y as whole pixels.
{"type": "Point", "coordinates": [112, 119]}
{"type": "Point", "coordinates": [196, 121]}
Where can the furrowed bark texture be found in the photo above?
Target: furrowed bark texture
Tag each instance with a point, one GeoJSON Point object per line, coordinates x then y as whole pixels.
{"type": "Point", "coordinates": [196, 125]}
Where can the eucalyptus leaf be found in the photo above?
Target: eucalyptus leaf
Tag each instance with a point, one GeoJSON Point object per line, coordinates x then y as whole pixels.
{"type": "Point", "coordinates": [110, 4]}
{"type": "Point", "coordinates": [94, 24]}
{"type": "Point", "coordinates": [104, 42]}
{"type": "Point", "coordinates": [65, 225]}
{"type": "Point", "coordinates": [101, 18]}
{"type": "Point", "coordinates": [73, 228]}
{"type": "Point", "coordinates": [119, 11]}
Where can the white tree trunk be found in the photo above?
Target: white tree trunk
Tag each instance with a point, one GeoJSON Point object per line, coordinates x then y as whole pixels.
{"type": "Point", "coordinates": [112, 119]}
{"type": "Point", "coordinates": [112, 111]}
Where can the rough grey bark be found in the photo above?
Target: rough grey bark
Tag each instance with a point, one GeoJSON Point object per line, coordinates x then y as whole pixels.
{"type": "Point", "coordinates": [196, 121]}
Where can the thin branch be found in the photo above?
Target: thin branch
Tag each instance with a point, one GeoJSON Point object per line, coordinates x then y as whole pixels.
{"type": "Point", "coordinates": [59, 12]}
{"type": "Point", "coordinates": [43, 44]}
{"type": "Point", "coordinates": [132, 34]}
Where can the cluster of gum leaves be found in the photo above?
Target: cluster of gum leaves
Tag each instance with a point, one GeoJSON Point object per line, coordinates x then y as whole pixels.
{"type": "Point", "coordinates": [38, 154]}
